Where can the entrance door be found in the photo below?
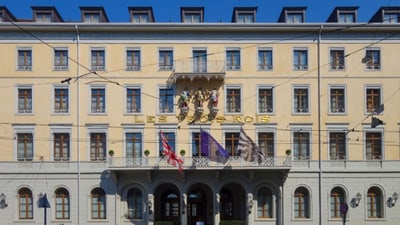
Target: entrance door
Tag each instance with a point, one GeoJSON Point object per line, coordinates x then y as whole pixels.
{"type": "Point", "coordinates": [196, 208]}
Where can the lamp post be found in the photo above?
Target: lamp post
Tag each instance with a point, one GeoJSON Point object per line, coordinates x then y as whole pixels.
{"type": "Point", "coordinates": [44, 203]}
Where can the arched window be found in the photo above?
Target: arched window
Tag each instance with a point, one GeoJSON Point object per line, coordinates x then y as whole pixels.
{"type": "Point", "coordinates": [98, 204]}
{"type": "Point", "coordinates": [337, 198]}
{"type": "Point", "coordinates": [135, 204]}
{"type": "Point", "coordinates": [374, 203]}
{"type": "Point", "coordinates": [264, 203]}
{"type": "Point", "coordinates": [226, 205]}
{"type": "Point", "coordinates": [25, 201]}
{"type": "Point", "coordinates": [62, 204]}
{"type": "Point", "coordinates": [301, 203]}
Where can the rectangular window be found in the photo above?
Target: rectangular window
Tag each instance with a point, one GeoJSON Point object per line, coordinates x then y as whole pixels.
{"type": "Point", "coordinates": [265, 100]}
{"type": "Point", "coordinates": [301, 100]}
{"type": "Point", "coordinates": [196, 151]}
{"type": "Point", "coordinates": [166, 60]}
{"type": "Point", "coordinates": [199, 61]}
{"type": "Point", "coordinates": [24, 146]}
{"type": "Point", "coordinates": [170, 136]}
{"type": "Point", "coordinates": [264, 59]}
{"type": "Point", "coordinates": [24, 59]}
{"type": "Point", "coordinates": [192, 17]}
{"type": "Point", "coordinates": [337, 145]}
{"type": "Point", "coordinates": [25, 100]}
{"type": "Point", "coordinates": [92, 17]}
{"type": "Point", "coordinates": [233, 100]}
{"type": "Point", "coordinates": [233, 59]}
{"type": "Point", "coordinates": [301, 145]}
{"type": "Point", "coordinates": [61, 146]}
{"type": "Point", "coordinates": [43, 17]}
{"type": "Point", "coordinates": [133, 100]}
{"type": "Point", "coordinates": [138, 17]}
{"type": "Point", "coordinates": [98, 100]}
{"type": "Point", "coordinates": [166, 100]}
{"type": "Point", "coordinates": [337, 99]}
{"type": "Point", "coordinates": [372, 99]}
{"type": "Point", "coordinates": [132, 60]}
{"type": "Point", "coordinates": [300, 59]}
{"type": "Point", "coordinates": [98, 146]}
{"type": "Point", "coordinates": [347, 17]}
{"type": "Point", "coordinates": [373, 59]}
{"type": "Point", "coordinates": [373, 145]}
{"type": "Point", "coordinates": [245, 18]}
{"type": "Point", "coordinates": [294, 17]}
{"type": "Point", "coordinates": [336, 59]}
{"type": "Point", "coordinates": [231, 143]}
{"type": "Point", "coordinates": [391, 17]}
{"type": "Point", "coordinates": [266, 144]}
{"type": "Point", "coordinates": [133, 145]}
{"type": "Point", "coordinates": [98, 61]}
{"type": "Point", "coordinates": [61, 100]}
{"type": "Point", "coordinates": [60, 59]}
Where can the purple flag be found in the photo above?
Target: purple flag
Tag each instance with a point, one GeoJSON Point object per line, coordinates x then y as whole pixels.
{"type": "Point", "coordinates": [212, 149]}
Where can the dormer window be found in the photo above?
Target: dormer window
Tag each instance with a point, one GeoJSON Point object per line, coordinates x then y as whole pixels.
{"type": "Point", "coordinates": [292, 15]}
{"type": "Point", "coordinates": [93, 15]}
{"type": "Point", "coordinates": [92, 18]}
{"type": "Point", "coordinates": [391, 17]}
{"type": "Point", "coordinates": [192, 14]}
{"type": "Point", "coordinates": [43, 17]}
{"type": "Point", "coordinates": [244, 15]}
{"type": "Point", "coordinates": [346, 17]}
{"type": "Point", "coordinates": [141, 14]}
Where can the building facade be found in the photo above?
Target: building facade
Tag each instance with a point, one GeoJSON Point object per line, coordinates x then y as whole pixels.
{"type": "Point", "coordinates": [83, 105]}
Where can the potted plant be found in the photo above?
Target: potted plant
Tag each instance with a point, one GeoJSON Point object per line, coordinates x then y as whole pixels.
{"type": "Point", "coordinates": [182, 152]}
{"type": "Point", "coordinates": [111, 153]}
{"type": "Point", "coordinates": [146, 152]}
{"type": "Point", "coordinates": [288, 151]}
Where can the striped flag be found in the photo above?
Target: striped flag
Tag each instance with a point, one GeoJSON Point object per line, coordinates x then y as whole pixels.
{"type": "Point", "coordinates": [172, 158]}
{"type": "Point", "coordinates": [247, 148]}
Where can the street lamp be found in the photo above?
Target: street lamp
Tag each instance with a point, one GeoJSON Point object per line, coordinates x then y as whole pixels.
{"type": "Point", "coordinates": [3, 203]}
{"type": "Point", "coordinates": [358, 198]}
{"type": "Point", "coordinates": [44, 203]}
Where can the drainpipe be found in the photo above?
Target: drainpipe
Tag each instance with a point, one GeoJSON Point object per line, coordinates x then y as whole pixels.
{"type": "Point", "coordinates": [77, 118]}
{"type": "Point", "coordinates": [319, 127]}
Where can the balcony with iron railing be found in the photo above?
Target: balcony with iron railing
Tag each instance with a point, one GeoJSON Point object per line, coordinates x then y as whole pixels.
{"type": "Point", "coordinates": [149, 163]}
{"type": "Point", "coordinates": [192, 69]}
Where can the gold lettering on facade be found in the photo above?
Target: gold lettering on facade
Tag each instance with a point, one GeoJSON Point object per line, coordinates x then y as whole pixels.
{"type": "Point", "coordinates": [248, 119]}
{"type": "Point", "coordinates": [203, 118]}
{"type": "Point", "coordinates": [150, 119]}
{"type": "Point", "coordinates": [237, 119]}
{"type": "Point", "coordinates": [138, 119]}
{"type": "Point", "coordinates": [263, 119]}
{"type": "Point", "coordinates": [220, 119]}
{"type": "Point", "coordinates": [162, 119]}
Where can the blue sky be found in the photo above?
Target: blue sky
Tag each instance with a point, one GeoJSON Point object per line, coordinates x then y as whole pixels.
{"type": "Point", "coordinates": [215, 10]}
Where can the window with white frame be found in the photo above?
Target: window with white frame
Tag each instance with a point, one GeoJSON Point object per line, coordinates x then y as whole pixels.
{"type": "Point", "coordinates": [24, 100]}
{"type": "Point", "coordinates": [294, 17]}
{"type": "Point", "coordinates": [233, 99]}
{"type": "Point", "coordinates": [265, 59]}
{"type": "Point", "coordinates": [301, 143]}
{"type": "Point", "coordinates": [98, 146]}
{"type": "Point", "coordinates": [232, 142]}
{"type": "Point", "coordinates": [337, 145]}
{"type": "Point", "coordinates": [170, 137]}
{"type": "Point", "coordinates": [245, 17]}
{"type": "Point", "coordinates": [60, 59]}
{"type": "Point", "coordinates": [43, 17]}
{"type": "Point", "coordinates": [133, 99]}
{"type": "Point", "coordinates": [373, 145]}
{"type": "Point", "coordinates": [134, 144]}
{"type": "Point", "coordinates": [196, 145]}
{"type": "Point", "coordinates": [265, 203]}
{"type": "Point", "coordinates": [301, 99]}
{"type": "Point", "coordinates": [133, 59]}
{"type": "Point", "coordinates": [337, 199]}
{"type": "Point", "coordinates": [63, 207]}
{"type": "Point", "coordinates": [25, 204]}
{"type": "Point", "coordinates": [192, 17]}
{"type": "Point", "coordinates": [336, 58]}
{"type": "Point", "coordinates": [166, 59]}
{"type": "Point", "coordinates": [61, 146]}
{"type": "Point", "coordinates": [265, 99]}
{"type": "Point", "coordinates": [337, 99]}
{"type": "Point", "coordinates": [373, 98]}
{"type": "Point", "coordinates": [24, 142]}
{"type": "Point", "coordinates": [347, 17]}
{"type": "Point", "coordinates": [391, 17]}
{"type": "Point", "coordinates": [24, 59]}
{"type": "Point", "coordinates": [233, 59]}
{"type": "Point", "coordinates": [97, 59]}
{"type": "Point", "coordinates": [301, 203]}
{"type": "Point", "coordinates": [300, 59]}
{"type": "Point", "coordinates": [61, 99]}
{"type": "Point", "coordinates": [199, 60]}
{"type": "Point", "coordinates": [166, 99]}
{"type": "Point", "coordinates": [266, 143]}
{"type": "Point", "coordinates": [98, 99]}
{"type": "Point", "coordinates": [98, 204]}
{"type": "Point", "coordinates": [140, 17]}
{"type": "Point", "coordinates": [372, 59]}
{"type": "Point", "coordinates": [91, 17]}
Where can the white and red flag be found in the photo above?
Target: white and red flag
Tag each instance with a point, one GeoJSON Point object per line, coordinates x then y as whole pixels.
{"type": "Point", "coordinates": [172, 158]}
